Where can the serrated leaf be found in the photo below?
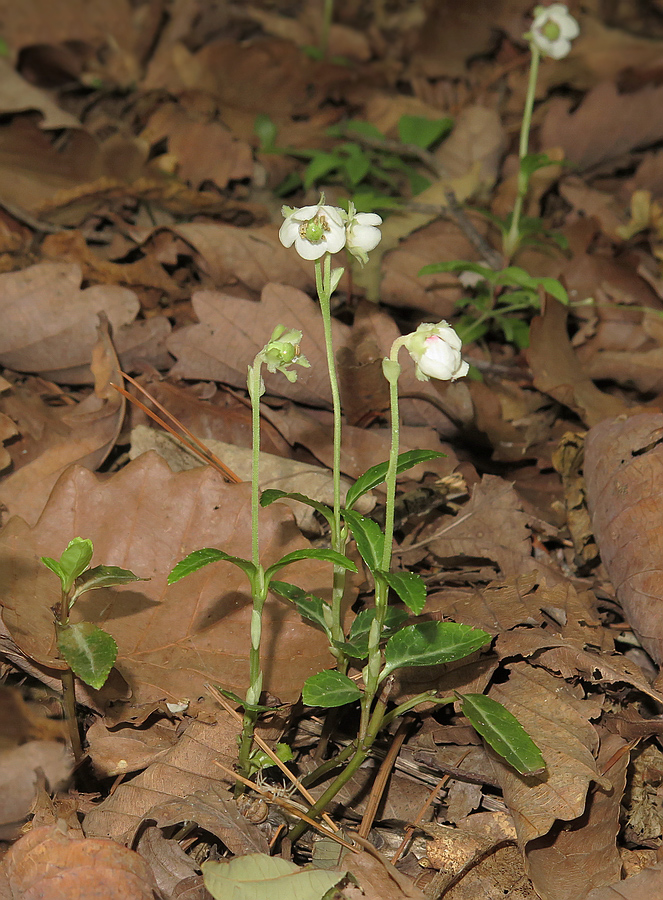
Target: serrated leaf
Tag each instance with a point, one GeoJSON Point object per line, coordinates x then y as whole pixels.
{"type": "Point", "coordinates": [410, 588]}
{"type": "Point", "coordinates": [431, 643]}
{"type": "Point", "coordinates": [256, 876]}
{"type": "Point", "coordinates": [502, 730]}
{"type": "Point", "coordinates": [89, 651]}
{"type": "Point", "coordinates": [330, 688]}
{"type": "Point", "coordinates": [201, 558]}
{"type": "Point", "coordinates": [377, 474]}
{"type": "Point", "coordinates": [308, 605]}
{"type": "Point", "coordinates": [269, 496]}
{"type": "Point", "coordinates": [105, 576]}
{"type": "Point", "coordinates": [368, 537]}
{"type": "Point", "coordinates": [325, 555]}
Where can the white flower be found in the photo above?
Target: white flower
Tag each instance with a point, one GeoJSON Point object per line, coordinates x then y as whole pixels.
{"type": "Point", "coordinates": [553, 29]}
{"type": "Point", "coordinates": [435, 350]}
{"type": "Point", "coordinates": [314, 230]}
{"type": "Point", "coordinates": [362, 233]}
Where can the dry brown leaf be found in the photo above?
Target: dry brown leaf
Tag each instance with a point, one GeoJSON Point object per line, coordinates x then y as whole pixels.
{"type": "Point", "coordinates": [492, 525]}
{"type": "Point", "coordinates": [232, 332]}
{"type": "Point", "coordinates": [557, 722]}
{"type": "Point", "coordinates": [17, 94]}
{"type": "Point", "coordinates": [50, 862]}
{"type": "Point", "coordinates": [172, 640]}
{"type": "Point", "coordinates": [124, 749]}
{"type": "Point", "coordinates": [567, 862]}
{"type": "Point", "coordinates": [188, 767]}
{"type": "Point", "coordinates": [558, 371]}
{"type": "Point", "coordinates": [49, 323]}
{"type": "Point", "coordinates": [84, 434]}
{"type": "Point", "coordinates": [19, 779]}
{"type": "Point", "coordinates": [244, 260]}
{"type": "Point", "coordinates": [623, 464]}
{"type": "Point", "coordinates": [646, 884]}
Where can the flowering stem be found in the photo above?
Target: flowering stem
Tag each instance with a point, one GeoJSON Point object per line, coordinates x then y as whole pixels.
{"type": "Point", "coordinates": [258, 589]}
{"type": "Point", "coordinates": [327, 14]}
{"type": "Point", "coordinates": [512, 239]}
{"type": "Point", "coordinates": [339, 535]}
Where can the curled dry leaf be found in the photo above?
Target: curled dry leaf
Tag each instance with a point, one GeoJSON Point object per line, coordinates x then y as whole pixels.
{"type": "Point", "coordinates": [50, 863]}
{"type": "Point", "coordinates": [49, 323]}
{"type": "Point", "coordinates": [624, 474]}
{"type": "Point", "coordinates": [84, 434]}
{"type": "Point", "coordinates": [171, 639]}
{"type": "Point", "coordinates": [231, 332]}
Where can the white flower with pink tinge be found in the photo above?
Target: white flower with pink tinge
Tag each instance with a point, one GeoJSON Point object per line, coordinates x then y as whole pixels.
{"type": "Point", "coordinates": [435, 350]}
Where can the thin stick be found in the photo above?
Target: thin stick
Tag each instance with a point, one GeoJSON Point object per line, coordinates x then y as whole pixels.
{"type": "Point", "coordinates": [196, 446]}
{"type": "Point", "coordinates": [290, 807]}
{"type": "Point", "coordinates": [409, 831]}
{"type": "Point", "coordinates": [274, 758]}
{"type": "Point", "coordinates": [381, 781]}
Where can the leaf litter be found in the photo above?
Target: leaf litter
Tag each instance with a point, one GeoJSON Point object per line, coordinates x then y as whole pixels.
{"type": "Point", "coordinates": [139, 233]}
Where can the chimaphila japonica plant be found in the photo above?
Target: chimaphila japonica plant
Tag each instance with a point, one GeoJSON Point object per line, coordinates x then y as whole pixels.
{"type": "Point", "coordinates": [89, 651]}
{"type": "Point", "coordinates": [499, 296]}
{"type": "Point", "coordinates": [379, 641]}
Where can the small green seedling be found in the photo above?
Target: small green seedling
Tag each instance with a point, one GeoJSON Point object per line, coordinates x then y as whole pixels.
{"type": "Point", "coordinates": [496, 297]}
{"type": "Point", "coordinates": [89, 651]}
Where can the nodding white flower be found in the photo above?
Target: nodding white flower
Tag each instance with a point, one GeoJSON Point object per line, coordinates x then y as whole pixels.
{"type": "Point", "coordinates": [314, 230]}
{"type": "Point", "coordinates": [282, 350]}
{"type": "Point", "coordinates": [362, 233]}
{"type": "Point", "coordinates": [435, 350]}
{"type": "Point", "coordinates": [553, 29]}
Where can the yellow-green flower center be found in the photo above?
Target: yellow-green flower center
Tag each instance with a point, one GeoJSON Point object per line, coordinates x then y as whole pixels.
{"type": "Point", "coordinates": [551, 30]}
{"type": "Point", "coordinates": [313, 230]}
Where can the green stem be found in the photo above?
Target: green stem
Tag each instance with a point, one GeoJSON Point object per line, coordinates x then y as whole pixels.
{"type": "Point", "coordinates": [343, 777]}
{"type": "Point", "coordinates": [67, 678]}
{"type": "Point", "coordinates": [258, 588]}
{"type": "Point", "coordinates": [512, 239]}
{"type": "Point", "coordinates": [339, 535]}
{"type": "Point", "coordinates": [327, 14]}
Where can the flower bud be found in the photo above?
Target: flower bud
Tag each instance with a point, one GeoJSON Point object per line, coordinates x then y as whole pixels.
{"type": "Point", "coordinates": [362, 233]}
{"type": "Point", "coordinates": [435, 350]}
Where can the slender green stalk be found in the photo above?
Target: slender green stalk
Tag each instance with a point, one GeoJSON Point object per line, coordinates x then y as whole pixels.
{"type": "Point", "coordinates": [339, 534]}
{"type": "Point", "coordinates": [258, 583]}
{"type": "Point", "coordinates": [512, 239]}
{"type": "Point", "coordinates": [327, 15]}
{"type": "Point", "coordinates": [67, 678]}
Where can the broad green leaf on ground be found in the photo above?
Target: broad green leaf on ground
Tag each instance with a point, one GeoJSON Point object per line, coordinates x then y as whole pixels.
{"type": "Point", "coordinates": [89, 651]}
{"type": "Point", "coordinates": [502, 730]}
{"type": "Point", "coordinates": [330, 688]}
{"type": "Point", "coordinates": [257, 876]}
{"type": "Point", "coordinates": [174, 639]}
{"type": "Point", "coordinates": [431, 643]}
